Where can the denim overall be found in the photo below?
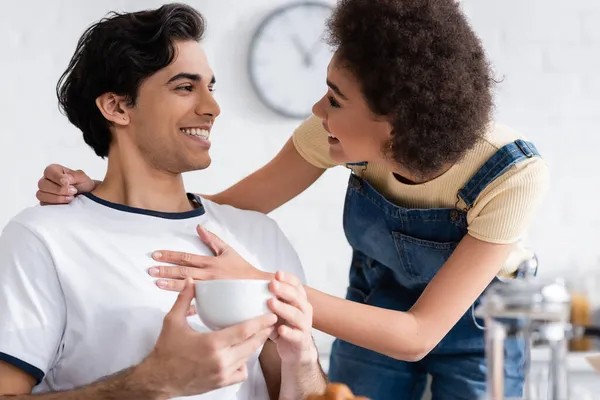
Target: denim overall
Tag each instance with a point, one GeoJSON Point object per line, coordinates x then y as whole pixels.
{"type": "Point", "coordinates": [396, 252]}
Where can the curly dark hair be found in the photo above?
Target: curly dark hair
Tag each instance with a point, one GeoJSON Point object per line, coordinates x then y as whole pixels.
{"type": "Point", "coordinates": [419, 63]}
{"type": "Point", "coordinates": [116, 55]}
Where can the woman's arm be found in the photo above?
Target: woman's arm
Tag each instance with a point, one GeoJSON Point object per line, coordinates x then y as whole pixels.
{"type": "Point", "coordinates": [412, 335]}
{"type": "Point", "coordinates": [283, 178]}
{"type": "Point", "coordinates": [402, 335]}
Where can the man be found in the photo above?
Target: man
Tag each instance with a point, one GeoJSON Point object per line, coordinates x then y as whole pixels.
{"type": "Point", "coordinates": [79, 315]}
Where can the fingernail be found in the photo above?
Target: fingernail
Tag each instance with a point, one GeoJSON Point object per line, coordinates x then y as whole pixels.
{"type": "Point", "coordinates": [157, 254]}
{"type": "Point", "coordinates": [161, 283]}
{"type": "Point", "coordinates": [153, 271]}
{"type": "Point", "coordinates": [69, 198]}
{"type": "Point", "coordinates": [72, 190]}
{"type": "Point", "coordinates": [201, 228]}
{"type": "Point", "coordinates": [275, 285]}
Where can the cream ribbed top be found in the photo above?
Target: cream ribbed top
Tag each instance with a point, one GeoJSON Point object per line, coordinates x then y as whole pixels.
{"type": "Point", "coordinates": [501, 213]}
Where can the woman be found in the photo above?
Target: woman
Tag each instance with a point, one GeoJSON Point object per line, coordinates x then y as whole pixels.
{"type": "Point", "coordinates": [437, 196]}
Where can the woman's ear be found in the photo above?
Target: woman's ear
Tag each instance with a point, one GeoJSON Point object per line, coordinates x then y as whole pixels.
{"type": "Point", "coordinates": [114, 108]}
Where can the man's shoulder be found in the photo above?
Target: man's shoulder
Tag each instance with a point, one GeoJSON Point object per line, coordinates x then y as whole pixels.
{"type": "Point", "coordinates": [39, 217]}
{"type": "Point", "coordinates": [229, 214]}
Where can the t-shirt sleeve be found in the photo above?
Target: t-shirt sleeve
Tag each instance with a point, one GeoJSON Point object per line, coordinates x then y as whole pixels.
{"type": "Point", "coordinates": [32, 308]}
{"type": "Point", "coordinates": [310, 140]}
{"type": "Point", "coordinates": [505, 210]}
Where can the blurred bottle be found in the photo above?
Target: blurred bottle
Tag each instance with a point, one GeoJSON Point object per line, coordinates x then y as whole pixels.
{"type": "Point", "coordinates": [581, 308]}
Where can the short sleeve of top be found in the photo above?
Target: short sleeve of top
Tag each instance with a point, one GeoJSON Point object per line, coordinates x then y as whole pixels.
{"type": "Point", "coordinates": [505, 210]}
{"type": "Point", "coordinates": [32, 307]}
{"type": "Point", "coordinates": [501, 214]}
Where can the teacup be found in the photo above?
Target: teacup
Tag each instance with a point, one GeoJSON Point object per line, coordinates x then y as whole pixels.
{"type": "Point", "coordinates": [223, 303]}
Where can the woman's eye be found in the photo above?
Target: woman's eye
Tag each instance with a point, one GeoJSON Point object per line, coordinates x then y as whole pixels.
{"type": "Point", "coordinates": [333, 102]}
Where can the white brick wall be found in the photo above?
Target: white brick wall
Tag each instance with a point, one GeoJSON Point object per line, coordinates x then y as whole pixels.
{"type": "Point", "coordinates": [548, 52]}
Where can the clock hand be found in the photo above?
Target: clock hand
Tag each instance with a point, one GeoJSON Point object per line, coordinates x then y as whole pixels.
{"type": "Point", "coordinates": [313, 51]}
{"type": "Point", "coordinates": [305, 56]}
{"type": "Point", "coordinates": [316, 45]}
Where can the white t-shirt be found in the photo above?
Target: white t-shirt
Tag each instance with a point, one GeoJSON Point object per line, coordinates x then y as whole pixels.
{"type": "Point", "coordinates": [77, 303]}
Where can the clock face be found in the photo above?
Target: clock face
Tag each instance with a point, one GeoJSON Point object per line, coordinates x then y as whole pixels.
{"type": "Point", "coordinates": [288, 58]}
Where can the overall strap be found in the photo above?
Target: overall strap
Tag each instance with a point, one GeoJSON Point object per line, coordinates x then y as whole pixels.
{"type": "Point", "coordinates": [498, 164]}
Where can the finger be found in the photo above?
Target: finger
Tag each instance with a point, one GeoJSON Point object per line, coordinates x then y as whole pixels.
{"type": "Point", "coordinates": [288, 278]}
{"type": "Point", "coordinates": [55, 173]}
{"type": "Point", "coordinates": [184, 300]}
{"type": "Point", "coordinates": [171, 285]}
{"type": "Point", "coordinates": [240, 352]}
{"type": "Point", "coordinates": [239, 333]}
{"type": "Point", "coordinates": [181, 258]}
{"type": "Point", "coordinates": [274, 335]}
{"type": "Point", "coordinates": [82, 182]}
{"type": "Point", "coordinates": [237, 366]}
{"type": "Point", "coordinates": [191, 311]}
{"type": "Point", "coordinates": [238, 376]}
{"type": "Point", "coordinates": [169, 272]}
{"type": "Point", "coordinates": [289, 294]}
{"type": "Point", "coordinates": [46, 185]}
{"type": "Point", "coordinates": [48, 198]}
{"type": "Point", "coordinates": [237, 356]}
{"type": "Point", "coordinates": [211, 240]}
{"type": "Point", "coordinates": [290, 314]}
{"type": "Point", "coordinates": [290, 335]}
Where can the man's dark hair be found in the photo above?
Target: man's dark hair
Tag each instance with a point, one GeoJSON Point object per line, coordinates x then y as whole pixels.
{"type": "Point", "coordinates": [116, 55]}
{"type": "Point", "coordinates": [420, 64]}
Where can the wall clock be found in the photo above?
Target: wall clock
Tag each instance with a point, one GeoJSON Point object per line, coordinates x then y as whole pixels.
{"type": "Point", "coordinates": [287, 61]}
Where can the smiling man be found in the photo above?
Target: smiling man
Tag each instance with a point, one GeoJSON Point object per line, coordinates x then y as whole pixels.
{"type": "Point", "coordinates": [79, 315]}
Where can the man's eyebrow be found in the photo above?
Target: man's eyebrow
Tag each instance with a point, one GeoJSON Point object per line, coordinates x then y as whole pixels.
{"type": "Point", "coordinates": [335, 89]}
{"type": "Point", "coordinates": [190, 76]}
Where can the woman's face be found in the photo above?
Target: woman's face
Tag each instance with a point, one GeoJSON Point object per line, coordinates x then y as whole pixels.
{"type": "Point", "coordinates": [355, 133]}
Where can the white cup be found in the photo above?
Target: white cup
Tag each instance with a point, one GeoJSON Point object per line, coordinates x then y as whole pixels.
{"type": "Point", "coordinates": [223, 303]}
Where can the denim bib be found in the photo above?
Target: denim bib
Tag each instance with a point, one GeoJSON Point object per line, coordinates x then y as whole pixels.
{"type": "Point", "coordinates": [396, 253]}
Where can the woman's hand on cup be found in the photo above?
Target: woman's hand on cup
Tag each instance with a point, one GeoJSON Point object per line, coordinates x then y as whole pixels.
{"type": "Point", "coordinates": [293, 336]}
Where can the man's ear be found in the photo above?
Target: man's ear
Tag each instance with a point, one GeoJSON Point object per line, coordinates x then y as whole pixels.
{"type": "Point", "coordinates": [114, 108]}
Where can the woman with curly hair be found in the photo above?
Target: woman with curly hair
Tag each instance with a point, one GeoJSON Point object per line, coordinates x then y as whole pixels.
{"type": "Point", "coordinates": [437, 197]}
